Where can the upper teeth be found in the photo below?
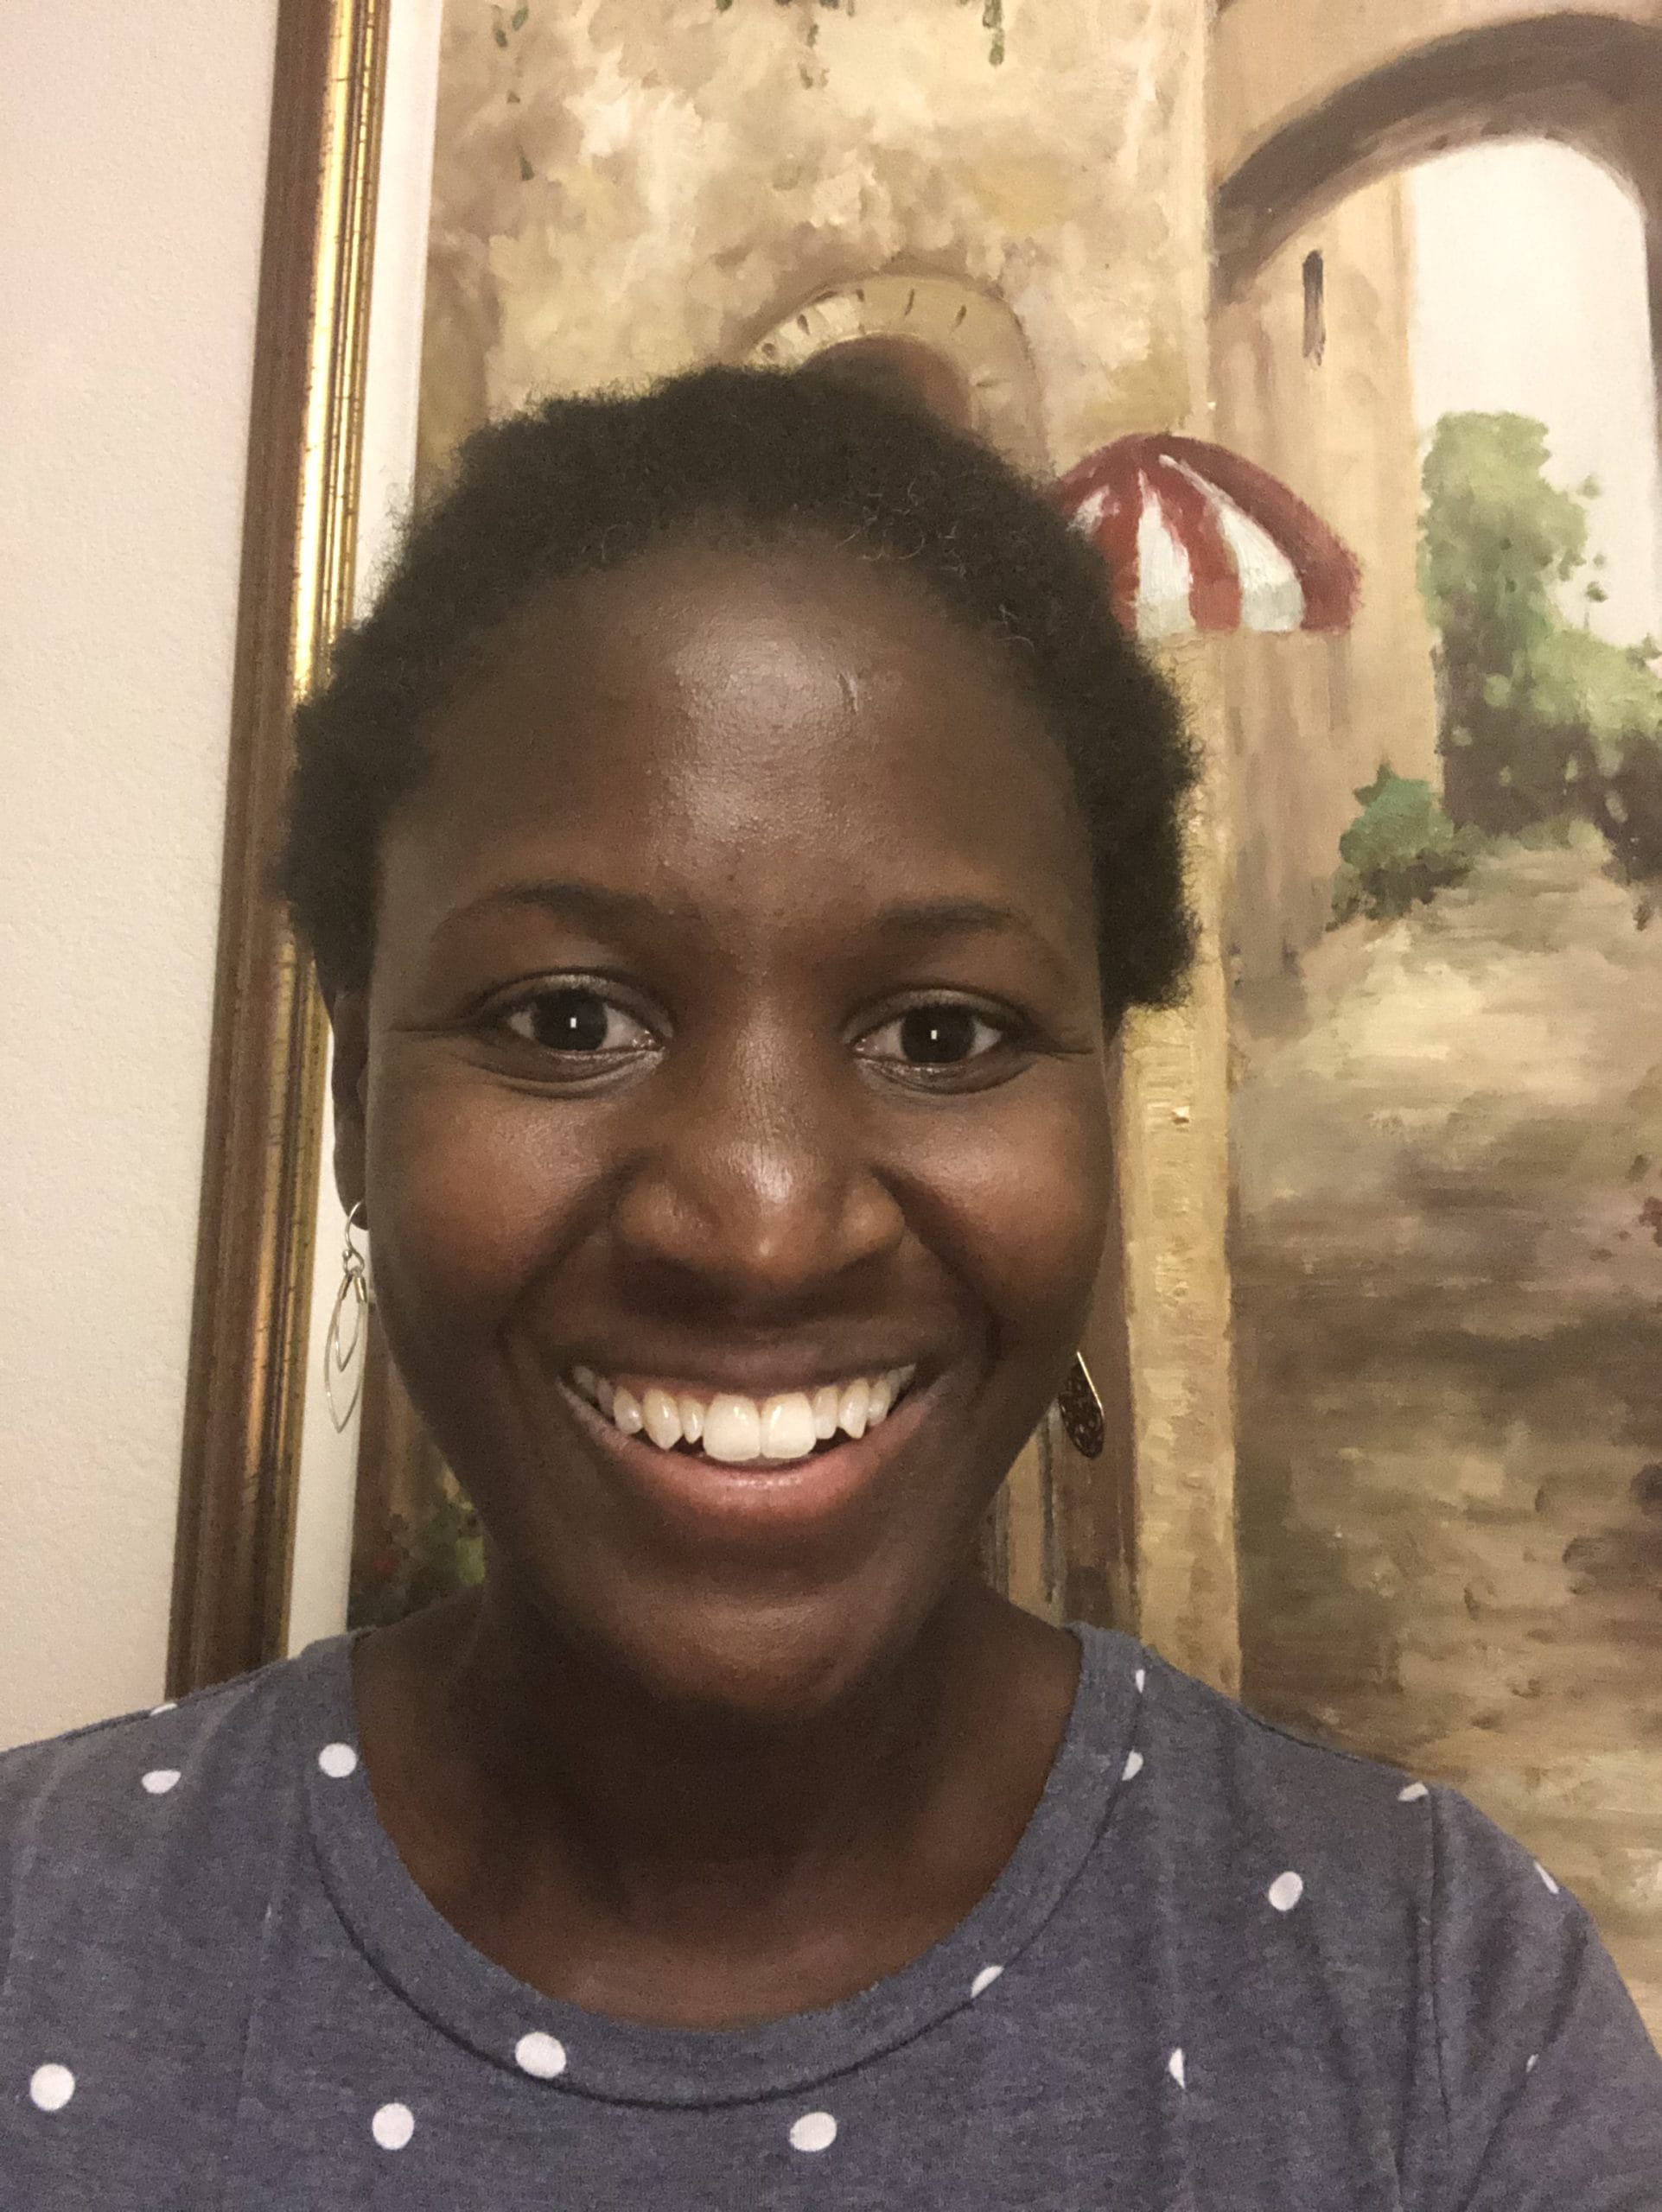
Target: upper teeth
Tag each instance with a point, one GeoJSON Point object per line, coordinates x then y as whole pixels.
{"type": "Point", "coordinates": [731, 1427]}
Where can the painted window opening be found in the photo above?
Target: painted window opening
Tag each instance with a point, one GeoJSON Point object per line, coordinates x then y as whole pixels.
{"type": "Point", "coordinates": [1315, 307]}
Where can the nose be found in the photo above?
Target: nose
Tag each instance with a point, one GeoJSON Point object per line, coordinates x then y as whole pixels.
{"type": "Point", "coordinates": [754, 1175]}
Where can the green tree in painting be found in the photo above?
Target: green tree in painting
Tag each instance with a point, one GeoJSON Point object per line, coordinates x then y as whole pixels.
{"type": "Point", "coordinates": [1497, 537]}
{"type": "Point", "coordinates": [1540, 719]}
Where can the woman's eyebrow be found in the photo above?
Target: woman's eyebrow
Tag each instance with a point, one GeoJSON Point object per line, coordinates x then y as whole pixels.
{"type": "Point", "coordinates": [604, 908]}
{"type": "Point", "coordinates": [949, 918]}
{"type": "Point", "coordinates": [596, 906]}
{"type": "Point", "coordinates": [926, 921]}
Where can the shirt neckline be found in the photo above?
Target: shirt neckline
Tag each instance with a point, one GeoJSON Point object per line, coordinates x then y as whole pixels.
{"type": "Point", "coordinates": [479, 2005]}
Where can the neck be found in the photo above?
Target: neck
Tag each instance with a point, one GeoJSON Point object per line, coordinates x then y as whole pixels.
{"type": "Point", "coordinates": [644, 1797]}
{"type": "Point", "coordinates": [607, 1845]}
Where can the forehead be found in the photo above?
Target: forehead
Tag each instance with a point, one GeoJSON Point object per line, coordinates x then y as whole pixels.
{"type": "Point", "coordinates": [790, 723]}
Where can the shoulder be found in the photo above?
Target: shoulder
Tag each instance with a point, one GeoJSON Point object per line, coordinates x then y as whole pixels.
{"type": "Point", "coordinates": [1379, 1846]}
{"type": "Point", "coordinates": [163, 1815]}
{"type": "Point", "coordinates": [1410, 1939]}
{"type": "Point", "coordinates": [1260, 1792]}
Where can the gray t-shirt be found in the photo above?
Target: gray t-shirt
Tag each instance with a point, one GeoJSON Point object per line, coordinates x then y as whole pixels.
{"type": "Point", "coordinates": [1225, 1971]}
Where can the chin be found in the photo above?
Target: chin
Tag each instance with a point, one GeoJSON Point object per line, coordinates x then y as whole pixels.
{"type": "Point", "coordinates": [767, 1593]}
{"type": "Point", "coordinates": [771, 1656]}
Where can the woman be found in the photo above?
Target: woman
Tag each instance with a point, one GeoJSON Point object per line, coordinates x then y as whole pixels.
{"type": "Point", "coordinates": [728, 851]}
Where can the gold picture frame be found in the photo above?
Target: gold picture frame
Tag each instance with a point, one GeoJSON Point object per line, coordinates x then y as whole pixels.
{"type": "Point", "coordinates": [240, 1468]}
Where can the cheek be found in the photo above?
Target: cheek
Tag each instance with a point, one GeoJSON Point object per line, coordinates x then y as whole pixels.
{"type": "Point", "coordinates": [471, 1187]}
{"type": "Point", "coordinates": [1021, 1192]}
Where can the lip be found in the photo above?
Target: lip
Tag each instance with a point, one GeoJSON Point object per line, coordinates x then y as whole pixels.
{"type": "Point", "coordinates": [762, 1501]}
{"type": "Point", "coordinates": [759, 1378]}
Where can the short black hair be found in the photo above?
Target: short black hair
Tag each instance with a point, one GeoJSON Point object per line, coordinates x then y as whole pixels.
{"type": "Point", "coordinates": [579, 485]}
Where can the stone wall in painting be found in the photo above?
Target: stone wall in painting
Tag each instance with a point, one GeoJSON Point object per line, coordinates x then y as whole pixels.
{"type": "Point", "coordinates": [623, 191]}
{"type": "Point", "coordinates": [1310, 368]}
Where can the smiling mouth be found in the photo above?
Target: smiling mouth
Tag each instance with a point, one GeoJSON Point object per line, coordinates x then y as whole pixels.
{"type": "Point", "coordinates": [734, 1430]}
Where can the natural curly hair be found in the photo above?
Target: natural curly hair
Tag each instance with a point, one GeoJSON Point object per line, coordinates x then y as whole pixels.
{"type": "Point", "coordinates": [574, 486]}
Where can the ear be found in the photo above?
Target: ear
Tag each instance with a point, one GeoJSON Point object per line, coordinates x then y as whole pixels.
{"type": "Point", "coordinates": [348, 1086]}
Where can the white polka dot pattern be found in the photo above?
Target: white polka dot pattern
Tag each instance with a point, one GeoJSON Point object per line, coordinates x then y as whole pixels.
{"type": "Point", "coordinates": [543, 2056]}
{"type": "Point", "coordinates": [171, 1704]}
{"type": "Point", "coordinates": [984, 1979]}
{"type": "Point", "coordinates": [338, 1761]}
{"type": "Point", "coordinates": [1132, 1768]}
{"type": "Point", "coordinates": [1141, 1678]}
{"type": "Point", "coordinates": [1178, 2070]}
{"type": "Point", "coordinates": [393, 2127]}
{"type": "Point", "coordinates": [1534, 2060]}
{"type": "Point", "coordinates": [1286, 1891]}
{"type": "Point", "coordinates": [1546, 1878]}
{"type": "Point", "coordinates": [50, 2088]}
{"type": "Point", "coordinates": [1414, 1792]}
{"type": "Point", "coordinates": [161, 1779]}
{"type": "Point", "coordinates": [815, 2130]}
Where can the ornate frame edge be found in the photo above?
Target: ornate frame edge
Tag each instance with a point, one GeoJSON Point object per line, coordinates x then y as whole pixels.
{"type": "Point", "coordinates": [239, 1470]}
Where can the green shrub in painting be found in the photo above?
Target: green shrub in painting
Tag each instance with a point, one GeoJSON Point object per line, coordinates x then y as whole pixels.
{"type": "Point", "coordinates": [1400, 851]}
{"type": "Point", "coordinates": [1603, 707]}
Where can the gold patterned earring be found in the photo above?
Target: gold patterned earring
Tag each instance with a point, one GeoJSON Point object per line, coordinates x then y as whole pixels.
{"type": "Point", "coordinates": [345, 1348]}
{"type": "Point", "coordinates": [1082, 1411]}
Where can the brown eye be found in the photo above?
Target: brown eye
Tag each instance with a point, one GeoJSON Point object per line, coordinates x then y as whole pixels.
{"type": "Point", "coordinates": [573, 1020]}
{"type": "Point", "coordinates": [937, 1037]}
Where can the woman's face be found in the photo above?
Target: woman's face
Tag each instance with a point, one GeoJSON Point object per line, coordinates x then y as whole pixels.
{"type": "Point", "coordinates": [733, 1042]}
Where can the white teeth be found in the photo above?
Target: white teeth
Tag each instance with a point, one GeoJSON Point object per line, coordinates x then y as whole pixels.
{"type": "Point", "coordinates": [733, 1429]}
{"type": "Point", "coordinates": [854, 1407]}
{"type": "Point", "coordinates": [662, 1417]}
{"type": "Point", "coordinates": [787, 1427]}
{"type": "Point", "coordinates": [627, 1414]}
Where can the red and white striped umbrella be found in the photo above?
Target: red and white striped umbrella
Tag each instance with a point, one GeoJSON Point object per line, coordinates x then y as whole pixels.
{"type": "Point", "coordinates": [1197, 539]}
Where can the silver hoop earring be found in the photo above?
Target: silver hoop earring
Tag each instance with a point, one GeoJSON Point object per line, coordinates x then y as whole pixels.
{"type": "Point", "coordinates": [345, 1349]}
{"type": "Point", "coordinates": [1080, 1409]}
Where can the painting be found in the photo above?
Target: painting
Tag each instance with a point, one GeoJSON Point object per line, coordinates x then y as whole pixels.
{"type": "Point", "coordinates": [1383, 1317]}
{"type": "Point", "coordinates": [1446, 1238]}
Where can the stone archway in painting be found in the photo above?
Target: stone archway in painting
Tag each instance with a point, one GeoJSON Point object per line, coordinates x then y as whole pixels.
{"type": "Point", "coordinates": [1306, 112]}
{"type": "Point", "coordinates": [961, 351]}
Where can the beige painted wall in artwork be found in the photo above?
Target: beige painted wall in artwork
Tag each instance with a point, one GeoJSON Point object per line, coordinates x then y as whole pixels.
{"type": "Point", "coordinates": [624, 193]}
{"type": "Point", "coordinates": [1311, 718]}
{"type": "Point", "coordinates": [132, 169]}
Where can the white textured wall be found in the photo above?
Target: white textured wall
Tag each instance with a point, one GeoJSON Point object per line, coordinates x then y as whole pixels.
{"type": "Point", "coordinates": [132, 159]}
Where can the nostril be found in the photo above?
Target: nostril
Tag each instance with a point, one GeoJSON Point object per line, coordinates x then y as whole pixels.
{"type": "Point", "coordinates": [759, 1231]}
